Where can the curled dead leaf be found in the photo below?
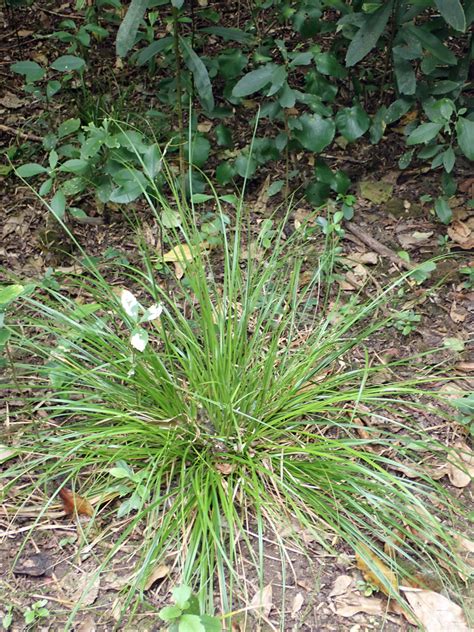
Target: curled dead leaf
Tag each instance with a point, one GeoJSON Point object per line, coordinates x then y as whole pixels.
{"type": "Point", "coordinates": [375, 571]}
{"type": "Point", "coordinates": [462, 233]}
{"type": "Point", "coordinates": [159, 572]}
{"type": "Point", "coordinates": [74, 504]}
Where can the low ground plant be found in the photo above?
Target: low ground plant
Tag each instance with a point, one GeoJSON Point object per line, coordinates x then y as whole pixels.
{"type": "Point", "coordinates": [219, 405]}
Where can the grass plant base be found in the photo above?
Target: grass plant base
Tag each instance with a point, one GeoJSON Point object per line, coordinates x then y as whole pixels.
{"type": "Point", "coordinates": [203, 410]}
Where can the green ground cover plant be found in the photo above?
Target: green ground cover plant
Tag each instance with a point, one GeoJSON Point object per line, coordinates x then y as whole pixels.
{"type": "Point", "coordinates": [214, 407]}
{"type": "Point", "coordinates": [327, 74]}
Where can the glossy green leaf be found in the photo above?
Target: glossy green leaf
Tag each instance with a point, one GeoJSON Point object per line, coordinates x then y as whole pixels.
{"type": "Point", "coordinates": [431, 43]}
{"type": "Point", "coordinates": [58, 204]}
{"type": "Point", "coordinates": [369, 34]}
{"type": "Point", "coordinates": [154, 49]}
{"type": "Point", "coordinates": [168, 613]}
{"type": "Point", "coordinates": [202, 83]}
{"type": "Point", "coordinates": [9, 293]}
{"type": "Point", "coordinates": [405, 75]}
{"type": "Point", "coordinates": [129, 27]}
{"type": "Point", "coordinates": [443, 210]}
{"type": "Point", "coordinates": [68, 127]}
{"type": "Point", "coordinates": [245, 166]}
{"type": "Point", "coordinates": [316, 133]}
{"type": "Point", "coordinates": [29, 69]}
{"type": "Point", "coordinates": [30, 169]}
{"type": "Point", "coordinates": [228, 34]}
{"type": "Point", "coordinates": [200, 150]}
{"type": "Point", "coordinates": [453, 12]}
{"type": "Point", "coordinates": [191, 623]}
{"type": "Point", "coordinates": [254, 81]}
{"type": "Point", "coordinates": [231, 63]}
{"type": "Point", "coordinates": [68, 63]}
{"type": "Point", "coordinates": [52, 88]}
{"type": "Point", "coordinates": [327, 64]}
{"type": "Point", "coordinates": [449, 158]}
{"type": "Point", "coordinates": [75, 165]}
{"type": "Point", "coordinates": [223, 136]}
{"type": "Point", "coordinates": [225, 172]}
{"type": "Point", "coordinates": [424, 133]}
{"type": "Point", "coordinates": [352, 122]}
{"type": "Point", "coordinates": [181, 596]}
{"type": "Point", "coordinates": [465, 134]}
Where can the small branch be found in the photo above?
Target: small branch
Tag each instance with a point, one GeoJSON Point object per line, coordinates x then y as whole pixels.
{"type": "Point", "coordinates": [15, 132]}
{"type": "Point", "coordinates": [372, 243]}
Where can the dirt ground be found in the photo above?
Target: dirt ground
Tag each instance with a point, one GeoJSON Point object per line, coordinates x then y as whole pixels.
{"type": "Point", "coordinates": [319, 591]}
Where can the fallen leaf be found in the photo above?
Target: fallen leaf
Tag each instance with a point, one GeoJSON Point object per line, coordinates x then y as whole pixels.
{"type": "Point", "coordinates": [182, 254]}
{"type": "Point", "coordinates": [11, 101]}
{"type": "Point", "coordinates": [349, 606]}
{"type": "Point", "coordinates": [462, 234]}
{"type": "Point", "coordinates": [75, 504]}
{"type": "Point", "coordinates": [407, 240]}
{"type": "Point", "coordinates": [159, 572]}
{"type": "Point", "coordinates": [262, 600]}
{"type": "Point", "coordinates": [436, 612]}
{"type": "Point", "coordinates": [457, 313]}
{"type": "Point", "coordinates": [82, 587]}
{"type": "Point", "coordinates": [468, 367]}
{"type": "Point", "coordinates": [298, 602]}
{"type": "Point", "coordinates": [460, 469]}
{"type": "Point", "coordinates": [204, 127]}
{"type": "Point", "coordinates": [225, 468]}
{"type": "Point", "coordinates": [382, 572]}
{"type": "Point", "coordinates": [341, 585]}
{"type": "Point", "coordinates": [369, 258]}
{"type": "Point", "coordinates": [87, 625]}
{"type": "Point", "coordinates": [24, 33]}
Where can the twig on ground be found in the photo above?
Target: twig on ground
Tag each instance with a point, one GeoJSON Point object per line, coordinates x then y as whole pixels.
{"type": "Point", "coordinates": [16, 132]}
{"type": "Point", "coordinates": [372, 243]}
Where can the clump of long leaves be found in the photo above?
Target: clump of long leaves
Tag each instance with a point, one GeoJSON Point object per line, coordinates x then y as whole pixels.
{"type": "Point", "coordinates": [229, 401]}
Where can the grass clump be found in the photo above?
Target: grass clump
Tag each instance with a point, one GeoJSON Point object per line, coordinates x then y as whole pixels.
{"type": "Point", "coordinates": [224, 404]}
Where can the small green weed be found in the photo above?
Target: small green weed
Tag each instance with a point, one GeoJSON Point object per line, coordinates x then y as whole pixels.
{"type": "Point", "coordinates": [185, 616]}
{"type": "Point", "coordinates": [407, 321]}
{"type": "Point", "coordinates": [36, 613]}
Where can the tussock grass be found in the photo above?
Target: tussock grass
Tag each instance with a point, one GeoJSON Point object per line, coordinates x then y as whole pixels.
{"type": "Point", "coordinates": [240, 414]}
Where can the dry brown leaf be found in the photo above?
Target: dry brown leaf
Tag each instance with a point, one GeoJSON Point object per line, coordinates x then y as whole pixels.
{"type": "Point", "coordinates": [159, 572]}
{"type": "Point", "coordinates": [298, 602]}
{"type": "Point", "coordinates": [225, 468]}
{"type": "Point", "coordinates": [11, 101]}
{"type": "Point", "coordinates": [341, 585]}
{"type": "Point", "coordinates": [382, 570]}
{"type": "Point", "coordinates": [369, 258]}
{"type": "Point", "coordinates": [87, 625]}
{"type": "Point", "coordinates": [83, 587]}
{"type": "Point", "coordinates": [462, 234]}
{"type": "Point", "coordinates": [351, 605]}
{"type": "Point", "coordinates": [460, 470]}
{"type": "Point", "coordinates": [468, 367]}
{"type": "Point", "coordinates": [407, 240]}
{"type": "Point", "coordinates": [436, 612]}
{"type": "Point", "coordinates": [74, 504]}
{"type": "Point", "coordinates": [457, 313]}
{"type": "Point", "coordinates": [182, 254]}
{"type": "Point", "coordinates": [262, 600]}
